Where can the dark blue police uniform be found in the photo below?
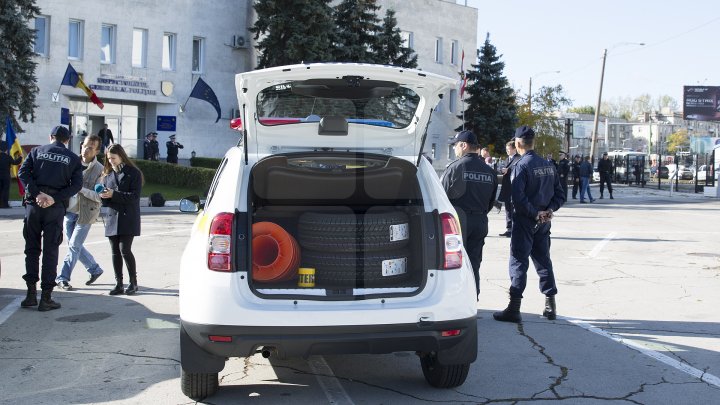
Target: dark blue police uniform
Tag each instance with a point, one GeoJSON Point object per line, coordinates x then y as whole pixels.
{"type": "Point", "coordinates": [471, 186]}
{"type": "Point", "coordinates": [54, 170]}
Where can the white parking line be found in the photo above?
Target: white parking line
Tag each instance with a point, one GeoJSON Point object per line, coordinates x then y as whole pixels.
{"type": "Point", "coordinates": [685, 368]}
{"type": "Point", "coordinates": [596, 250]}
{"type": "Point", "coordinates": [10, 309]}
{"type": "Point", "coordinates": [334, 391]}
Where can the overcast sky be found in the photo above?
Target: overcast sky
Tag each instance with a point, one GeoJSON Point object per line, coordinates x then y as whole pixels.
{"type": "Point", "coordinates": [537, 37]}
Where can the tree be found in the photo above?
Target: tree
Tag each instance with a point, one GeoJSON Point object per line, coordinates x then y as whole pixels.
{"type": "Point", "coordinates": [585, 109]}
{"type": "Point", "coordinates": [549, 130]}
{"type": "Point", "coordinates": [293, 31]}
{"type": "Point", "coordinates": [631, 107]}
{"type": "Point", "coordinates": [678, 140]}
{"type": "Point", "coordinates": [491, 111]}
{"type": "Point", "coordinates": [18, 84]}
{"type": "Point", "coordinates": [389, 47]}
{"type": "Point", "coordinates": [357, 26]}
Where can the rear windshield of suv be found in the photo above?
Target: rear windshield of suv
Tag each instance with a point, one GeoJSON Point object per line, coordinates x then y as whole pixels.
{"type": "Point", "coordinates": [358, 100]}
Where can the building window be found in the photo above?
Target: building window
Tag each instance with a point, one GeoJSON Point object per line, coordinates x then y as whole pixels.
{"type": "Point", "coordinates": [198, 55]}
{"type": "Point", "coordinates": [75, 39]}
{"type": "Point", "coordinates": [139, 47]}
{"type": "Point", "coordinates": [408, 39]}
{"type": "Point", "coordinates": [452, 101]}
{"type": "Point", "coordinates": [433, 152]}
{"type": "Point", "coordinates": [107, 43]}
{"type": "Point", "coordinates": [454, 52]}
{"type": "Point", "coordinates": [168, 52]}
{"type": "Point", "coordinates": [42, 35]}
{"type": "Point", "coordinates": [438, 50]}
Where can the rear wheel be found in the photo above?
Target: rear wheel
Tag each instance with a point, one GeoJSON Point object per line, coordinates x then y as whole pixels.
{"type": "Point", "coordinates": [198, 386]}
{"type": "Point", "coordinates": [442, 376]}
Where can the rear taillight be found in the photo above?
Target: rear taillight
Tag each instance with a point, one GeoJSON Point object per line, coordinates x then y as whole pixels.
{"type": "Point", "coordinates": [220, 242]}
{"type": "Point", "coordinates": [452, 242]}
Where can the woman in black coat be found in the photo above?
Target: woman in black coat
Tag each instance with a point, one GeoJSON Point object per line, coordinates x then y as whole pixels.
{"type": "Point", "coordinates": [123, 183]}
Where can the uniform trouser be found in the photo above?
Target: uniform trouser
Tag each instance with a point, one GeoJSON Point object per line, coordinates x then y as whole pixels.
{"type": "Point", "coordinates": [530, 240]}
{"type": "Point", "coordinates": [576, 185]}
{"type": "Point", "coordinates": [605, 178]}
{"type": "Point", "coordinates": [43, 233]}
{"type": "Point", "coordinates": [474, 228]}
{"type": "Point", "coordinates": [564, 185]}
{"type": "Point", "coordinates": [4, 191]}
{"type": "Point", "coordinates": [508, 214]}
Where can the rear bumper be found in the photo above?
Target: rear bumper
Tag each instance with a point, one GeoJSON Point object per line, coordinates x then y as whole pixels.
{"type": "Point", "coordinates": [200, 355]}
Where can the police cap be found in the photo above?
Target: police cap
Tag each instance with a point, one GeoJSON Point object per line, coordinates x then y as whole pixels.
{"type": "Point", "coordinates": [524, 132]}
{"type": "Point", "coordinates": [61, 133]}
{"type": "Point", "coordinates": [465, 136]}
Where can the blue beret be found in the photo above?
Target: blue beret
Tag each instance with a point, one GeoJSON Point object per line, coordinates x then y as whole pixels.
{"type": "Point", "coordinates": [465, 136]}
{"type": "Point", "coordinates": [524, 132]}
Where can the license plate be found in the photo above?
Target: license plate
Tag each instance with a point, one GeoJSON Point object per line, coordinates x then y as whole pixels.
{"type": "Point", "coordinates": [393, 267]}
{"type": "Point", "coordinates": [399, 232]}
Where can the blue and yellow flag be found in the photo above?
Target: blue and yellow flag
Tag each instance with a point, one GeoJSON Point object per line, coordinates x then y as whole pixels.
{"type": "Point", "coordinates": [14, 149]}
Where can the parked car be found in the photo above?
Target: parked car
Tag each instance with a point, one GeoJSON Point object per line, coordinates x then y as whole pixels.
{"type": "Point", "coordinates": [326, 232]}
{"type": "Point", "coordinates": [596, 175]}
{"type": "Point", "coordinates": [686, 173]}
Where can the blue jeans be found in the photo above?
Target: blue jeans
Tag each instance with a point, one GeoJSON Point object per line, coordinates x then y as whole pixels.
{"type": "Point", "coordinates": [76, 235]}
{"type": "Point", "coordinates": [585, 187]}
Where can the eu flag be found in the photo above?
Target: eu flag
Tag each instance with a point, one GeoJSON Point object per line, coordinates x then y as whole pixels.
{"type": "Point", "coordinates": [204, 92]}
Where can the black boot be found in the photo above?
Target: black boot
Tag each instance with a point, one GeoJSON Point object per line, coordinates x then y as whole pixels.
{"type": "Point", "coordinates": [31, 299]}
{"type": "Point", "coordinates": [118, 288]}
{"type": "Point", "coordinates": [511, 313]}
{"type": "Point", "coordinates": [132, 287]}
{"type": "Point", "coordinates": [549, 311]}
{"type": "Point", "coordinates": [46, 303]}
{"type": "Point", "coordinates": [611, 197]}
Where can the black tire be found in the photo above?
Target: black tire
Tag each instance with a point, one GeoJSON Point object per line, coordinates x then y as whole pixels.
{"type": "Point", "coordinates": [351, 233]}
{"type": "Point", "coordinates": [198, 386]}
{"type": "Point", "coordinates": [443, 376]}
{"type": "Point", "coordinates": [355, 270]}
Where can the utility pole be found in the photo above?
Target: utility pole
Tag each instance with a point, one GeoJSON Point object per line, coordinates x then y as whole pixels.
{"type": "Point", "coordinates": [597, 110]}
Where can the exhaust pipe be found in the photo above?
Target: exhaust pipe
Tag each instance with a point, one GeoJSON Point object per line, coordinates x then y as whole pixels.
{"type": "Point", "coordinates": [266, 352]}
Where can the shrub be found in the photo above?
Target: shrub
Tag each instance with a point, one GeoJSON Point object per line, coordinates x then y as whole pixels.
{"type": "Point", "coordinates": [176, 175]}
{"type": "Point", "coordinates": [210, 163]}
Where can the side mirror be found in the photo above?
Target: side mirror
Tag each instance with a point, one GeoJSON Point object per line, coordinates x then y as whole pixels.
{"type": "Point", "coordinates": [190, 204]}
{"type": "Point", "coordinates": [236, 124]}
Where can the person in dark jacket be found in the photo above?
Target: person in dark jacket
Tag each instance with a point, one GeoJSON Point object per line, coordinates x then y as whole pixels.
{"type": "Point", "coordinates": [471, 186]}
{"type": "Point", "coordinates": [106, 136]}
{"type": "Point", "coordinates": [585, 172]}
{"type": "Point", "coordinates": [51, 174]}
{"type": "Point", "coordinates": [575, 170]}
{"type": "Point", "coordinates": [5, 162]}
{"type": "Point", "coordinates": [505, 190]}
{"type": "Point", "coordinates": [605, 168]}
{"type": "Point", "coordinates": [123, 183]}
{"type": "Point", "coordinates": [172, 149]}
{"type": "Point", "coordinates": [563, 171]}
{"type": "Point", "coordinates": [147, 147]}
{"type": "Point", "coordinates": [536, 195]}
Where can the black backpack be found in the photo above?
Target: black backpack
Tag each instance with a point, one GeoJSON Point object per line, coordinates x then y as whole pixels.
{"type": "Point", "coordinates": [157, 200]}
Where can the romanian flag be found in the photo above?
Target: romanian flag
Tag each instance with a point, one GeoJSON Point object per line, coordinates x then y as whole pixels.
{"type": "Point", "coordinates": [15, 149]}
{"type": "Point", "coordinates": [72, 78]}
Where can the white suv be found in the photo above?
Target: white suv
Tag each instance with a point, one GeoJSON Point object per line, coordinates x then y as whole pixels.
{"type": "Point", "coordinates": [325, 231]}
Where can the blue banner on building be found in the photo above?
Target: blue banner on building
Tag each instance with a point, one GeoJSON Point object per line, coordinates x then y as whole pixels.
{"type": "Point", "coordinates": [65, 116]}
{"type": "Point", "coordinates": [166, 123]}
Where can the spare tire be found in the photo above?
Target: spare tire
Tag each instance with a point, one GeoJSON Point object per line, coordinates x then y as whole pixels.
{"type": "Point", "coordinates": [350, 233]}
{"type": "Point", "coordinates": [371, 269]}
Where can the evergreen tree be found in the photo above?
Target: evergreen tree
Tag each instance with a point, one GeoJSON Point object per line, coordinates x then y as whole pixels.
{"type": "Point", "coordinates": [491, 112]}
{"type": "Point", "coordinates": [389, 47]}
{"type": "Point", "coordinates": [293, 31]}
{"type": "Point", "coordinates": [18, 87]}
{"type": "Point", "coordinates": [357, 27]}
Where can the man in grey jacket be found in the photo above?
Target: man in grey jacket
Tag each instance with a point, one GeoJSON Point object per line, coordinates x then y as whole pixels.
{"type": "Point", "coordinates": [83, 211]}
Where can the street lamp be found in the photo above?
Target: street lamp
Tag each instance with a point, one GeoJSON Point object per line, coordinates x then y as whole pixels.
{"type": "Point", "coordinates": [597, 108]}
{"type": "Point", "coordinates": [530, 86]}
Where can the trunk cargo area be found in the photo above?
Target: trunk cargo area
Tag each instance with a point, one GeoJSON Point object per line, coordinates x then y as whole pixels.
{"type": "Point", "coordinates": [352, 223]}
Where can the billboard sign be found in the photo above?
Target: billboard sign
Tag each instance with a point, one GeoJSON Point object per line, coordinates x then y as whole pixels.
{"type": "Point", "coordinates": [701, 103]}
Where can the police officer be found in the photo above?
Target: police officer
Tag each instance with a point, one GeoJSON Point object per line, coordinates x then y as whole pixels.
{"type": "Point", "coordinates": [513, 158]}
{"type": "Point", "coordinates": [563, 171]}
{"type": "Point", "coordinates": [172, 149]}
{"type": "Point", "coordinates": [605, 168]}
{"type": "Point", "coordinates": [575, 170]}
{"type": "Point", "coordinates": [471, 186]}
{"type": "Point", "coordinates": [536, 194]}
{"type": "Point", "coordinates": [51, 174]}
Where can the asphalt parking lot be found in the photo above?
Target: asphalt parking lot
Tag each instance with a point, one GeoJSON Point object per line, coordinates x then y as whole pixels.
{"type": "Point", "coordinates": [638, 297]}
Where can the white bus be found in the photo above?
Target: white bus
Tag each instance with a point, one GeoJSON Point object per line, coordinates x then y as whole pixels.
{"type": "Point", "coordinates": [630, 167]}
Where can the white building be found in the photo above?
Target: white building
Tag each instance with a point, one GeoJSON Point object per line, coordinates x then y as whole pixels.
{"type": "Point", "coordinates": [143, 58]}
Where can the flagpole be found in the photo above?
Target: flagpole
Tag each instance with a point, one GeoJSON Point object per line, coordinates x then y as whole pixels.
{"type": "Point", "coordinates": [182, 107]}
